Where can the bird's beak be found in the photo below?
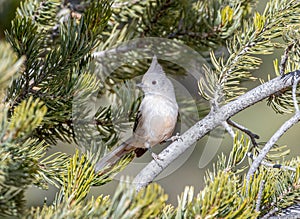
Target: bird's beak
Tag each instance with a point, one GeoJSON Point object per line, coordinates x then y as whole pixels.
{"type": "Point", "coordinates": [140, 85]}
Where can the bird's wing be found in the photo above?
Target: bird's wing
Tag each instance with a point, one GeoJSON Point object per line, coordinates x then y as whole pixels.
{"type": "Point", "coordinates": [137, 120]}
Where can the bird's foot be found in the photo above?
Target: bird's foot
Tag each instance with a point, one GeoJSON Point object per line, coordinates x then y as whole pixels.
{"type": "Point", "coordinates": [175, 138]}
{"type": "Point", "coordinates": [156, 157]}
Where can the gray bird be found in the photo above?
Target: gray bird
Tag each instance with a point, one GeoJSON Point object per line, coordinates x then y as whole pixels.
{"type": "Point", "coordinates": [155, 120]}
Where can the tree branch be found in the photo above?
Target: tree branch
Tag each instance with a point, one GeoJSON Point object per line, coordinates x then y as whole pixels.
{"type": "Point", "coordinates": [294, 94]}
{"type": "Point", "coordinates": [287, 125]}
{"type": "Point", "coordinates": [260, 195]}
{"type": "Point", "coordinates": [284, 58]}
{"type": "Point", "coordinates": [210, 122]}
{"type": "Point", "coordinates": [251, 135]}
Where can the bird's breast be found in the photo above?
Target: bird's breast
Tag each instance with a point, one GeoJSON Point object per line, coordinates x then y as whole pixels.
{"type": "Point", "coordinates": [159, 117]}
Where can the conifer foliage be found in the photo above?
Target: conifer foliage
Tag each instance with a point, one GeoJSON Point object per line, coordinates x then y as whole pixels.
{"type": "Point", "coordinates": [46, 62]}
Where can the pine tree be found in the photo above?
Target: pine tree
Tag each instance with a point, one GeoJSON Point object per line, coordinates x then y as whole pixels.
{"type": "Point", "coordinates": [53, 69]}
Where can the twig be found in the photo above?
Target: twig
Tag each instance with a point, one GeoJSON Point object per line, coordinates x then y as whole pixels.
{"type": "Point", "coordinates": [251, 135]}
{"type": "Point", "coordinates": [228, 129]}
{"type": "Point", "coordinates": [284, 59]}
{"type": "Point", "coordinates": [295, 83]}
{"type": "Point", "coordinates": [210, 122]}
{"type": "Point", "coordinates": [268, 164]}
{"type": "Point", "coordinates": [287, 125]}
{"type": "Point", "coordinates": [260, 195]}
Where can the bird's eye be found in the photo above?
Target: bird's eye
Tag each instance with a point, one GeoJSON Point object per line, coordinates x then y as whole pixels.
{"type": "Point", "coordinates": [154, 82]}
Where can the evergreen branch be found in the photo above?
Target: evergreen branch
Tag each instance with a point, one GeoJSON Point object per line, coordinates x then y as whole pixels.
{"type": "Point", "coordinates": [206, 24]}
{"type": "Point", "coordinates": [19, 151]}
{"type": "Point", "coordinates": [225, 190]}
{"type": "Point", "coordinates": [52, 70]}
{"type": "Point", "coordinates": [40, 11]}
{"type": "Point", "coordinates": [25, 39]}
{"type": "Point", "coordinates": [223, 202]}
{"type": "Point", "coordinates": [286, 184]}
{"type": "Point", "coordinates": [78, 180]}
{"type": "Point", "coordinates": [51, 170]}
{"type": "Point", "coordinates": [255, 38]}
{"type": "Point", "coordinates": [76, 42]}
{"type": "Point", "coordinates": [28, 112]}
{"type": "Point", "coordinates": [208, 123]}
{"type": "Point", "coordinates": [222, 196]}
{"type": "Point", "coordinates": [56, 73]}
{"type": "Point", "coordinates": [107, 123]}
{"type": "Point", "coordinates": [107, 174]}
{"type": "Point", "coordinates": [189, 23]}
{"type": "Point", "coordinates": [11, 201]}
{"type": "Point", "coordinates": [275, 154]}
{"type": "Point", "coordinates": [238, 152]}
{"type": "Point", "coordinates": [156, 13]}
{"type": "Point", "coordinates": [224, 18]}
{"type": "Point", "coordinates": [283, 101]}
{"type": "Point", "coordinates": [184, 202]}
{"type": "Point", "coordinates": [126, 203]}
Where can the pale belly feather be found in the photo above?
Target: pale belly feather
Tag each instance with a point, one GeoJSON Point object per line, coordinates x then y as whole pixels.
{"type": "Point", "coordinates": [158, 120]}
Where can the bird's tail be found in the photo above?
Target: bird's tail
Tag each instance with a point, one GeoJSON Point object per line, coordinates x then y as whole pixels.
{"type": "Point", "coordinates": [114, 156]}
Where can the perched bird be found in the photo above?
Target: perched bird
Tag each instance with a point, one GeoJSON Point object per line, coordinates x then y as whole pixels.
{"type": "Point", "coordinates": [155, 120]}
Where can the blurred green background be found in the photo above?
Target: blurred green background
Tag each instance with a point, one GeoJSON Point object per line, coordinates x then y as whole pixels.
{"type": "Point", "coordinates": [7, 13]}
{"type": "Point", "coordinates": [260, 118]}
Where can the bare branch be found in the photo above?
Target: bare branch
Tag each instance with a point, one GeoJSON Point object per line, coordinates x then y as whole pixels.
{"type": "Point", "coordinates": [287, 125]}
{"type": "Point", "coordinates": [284, 59]}
{"type": "Point", "coordinates": [228, 129]}
{"type": "Point", "coordinates": [251, 135]}
{"type": "Point", "coordinates": [295, 83]}
{"type": "Point", "coordinates": [210, 122]}
{"type": "Point", "coordinates": [260, 195]}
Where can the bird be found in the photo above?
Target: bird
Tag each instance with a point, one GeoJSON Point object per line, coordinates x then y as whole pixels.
{"type": "Point", "coordinates": [155, 120]}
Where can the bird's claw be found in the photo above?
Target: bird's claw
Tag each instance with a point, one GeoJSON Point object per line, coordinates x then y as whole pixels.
{"type": "Point", "coordinates": [156, 157]}
{"type": "Point", "coordinates": [175, 138]}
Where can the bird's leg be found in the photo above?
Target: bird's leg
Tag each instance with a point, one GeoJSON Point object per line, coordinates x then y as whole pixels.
{"type": "Point", "coordinates": [154, 155]}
